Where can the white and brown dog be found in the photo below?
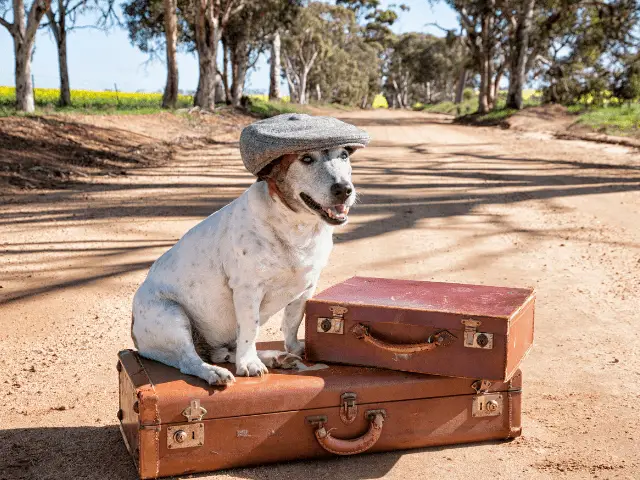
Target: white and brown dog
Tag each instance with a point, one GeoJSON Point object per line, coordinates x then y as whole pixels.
{"type": "Point", "coordinates": [210, 293]}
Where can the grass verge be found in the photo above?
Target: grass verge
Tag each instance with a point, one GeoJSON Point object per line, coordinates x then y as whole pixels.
{"type": "Point", "coordinates": [611, 120]}
{"type": "Point", "coordinates": [262, 108]}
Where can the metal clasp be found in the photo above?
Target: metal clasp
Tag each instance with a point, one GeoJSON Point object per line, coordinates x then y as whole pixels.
{"type": "Point", "coordinates": [194, 412]}
{"type": "Point", "coordinates": [348, 408]}
{"type": "Point", "coordinates": [475, 339]}
{"type": "Point", "coordinates": [485, 404]}
{"type": "Point", "coordinates": [335, 324]}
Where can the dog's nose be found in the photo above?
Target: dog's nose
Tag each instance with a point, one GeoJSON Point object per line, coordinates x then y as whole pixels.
{"type": "Point", "coordinates": [341, 191]}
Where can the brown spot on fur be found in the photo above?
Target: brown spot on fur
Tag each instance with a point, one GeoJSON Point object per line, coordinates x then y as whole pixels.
{"type": "Point", "coordinates": [274, 172]}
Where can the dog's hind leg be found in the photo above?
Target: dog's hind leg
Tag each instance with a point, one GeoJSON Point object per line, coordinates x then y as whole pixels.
{"type": "Point", "coordinates": [278, 359]}
{"type": "Point", "coordinates": [162, 331]}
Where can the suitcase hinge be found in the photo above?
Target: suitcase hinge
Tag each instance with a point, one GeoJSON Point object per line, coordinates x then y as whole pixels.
{"type": "Point", "coordinates": [335, 324]}
{"type": "Point", "coordinates": [348, 407]}
{"type": "Point", "coordinates": [194, 412]}
{"type": "Point", "coordinates": [475, 339]}
{"type": "Point", "coordinates": [485, 404]}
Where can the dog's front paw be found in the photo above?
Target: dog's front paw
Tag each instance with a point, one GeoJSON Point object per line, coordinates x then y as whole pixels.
{"type": "Point", "coordinates": [295, 348]}
{"type": "Point", "coordinates": [251, 367]}
{"type": "Point", "coordinates": [215, 375]}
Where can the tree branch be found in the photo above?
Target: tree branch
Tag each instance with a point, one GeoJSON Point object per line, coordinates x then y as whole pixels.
{"type": "Point", "coordinates": [53, 25]}
{"type": "Point", "coordinates": [7, 25]}
{"type": "Point", "coordinates": [38, 10]}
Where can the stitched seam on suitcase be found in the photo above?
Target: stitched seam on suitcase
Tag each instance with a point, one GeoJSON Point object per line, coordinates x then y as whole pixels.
{"type": "Point", "coordinates": [364, 406]}
{"type": "Point", "coordinates": [408, 307]}
{"type": "Point", "coordinates": [156, 433]}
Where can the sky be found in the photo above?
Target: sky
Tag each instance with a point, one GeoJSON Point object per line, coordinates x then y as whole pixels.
{"type": "Point", "coordinates": [101, 61]}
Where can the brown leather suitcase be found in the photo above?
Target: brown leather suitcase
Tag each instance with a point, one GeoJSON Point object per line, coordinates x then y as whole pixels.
{"type": "Point", "coordinates": [177, 424]}
{"type": "Point", "coordinates": [446, 329]}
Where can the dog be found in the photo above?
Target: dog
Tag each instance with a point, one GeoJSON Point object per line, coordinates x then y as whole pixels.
{"type": "Point", "coordinates": [209, 294]}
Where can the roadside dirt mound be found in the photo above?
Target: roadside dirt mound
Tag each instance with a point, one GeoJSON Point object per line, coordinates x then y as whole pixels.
{"type": "Point", "coordinates": [545, 118]}
{"type": "Point", "coordinates": [57, 152]}
{"type": "Point", "coordinates": [47, 152]}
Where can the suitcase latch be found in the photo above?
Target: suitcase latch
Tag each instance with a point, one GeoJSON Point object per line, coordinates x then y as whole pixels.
{"type": "Point", "coordinates": [475, 339]}
{"type": "Point", "coordinates": [487, 405]}
{"type": "Point", "coordinates": [185, 436]}
{"type": "Point", "coordinates": [335, 324]}
{"type": "Point", "coordinates": [348, 407]}
{"type": "Point", "coordinates": [194, 412]}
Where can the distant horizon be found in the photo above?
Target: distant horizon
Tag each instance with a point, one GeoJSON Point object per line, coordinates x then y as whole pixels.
{"type": "Point", "coordinates": [94, 66]}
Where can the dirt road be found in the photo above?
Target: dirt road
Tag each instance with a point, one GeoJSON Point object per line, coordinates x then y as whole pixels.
{"type": "Point", "coordinates": [438, 202]}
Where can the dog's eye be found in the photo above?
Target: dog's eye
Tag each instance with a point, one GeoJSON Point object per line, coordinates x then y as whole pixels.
{"type": "Point", "coordinates": [307, 159]}
{"type": "Point", "coordinates": [344, 155]}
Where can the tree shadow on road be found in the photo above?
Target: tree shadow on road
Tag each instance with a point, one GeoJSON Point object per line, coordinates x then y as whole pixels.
{"type": "Point", "coordinates": [98, 453]}
{"type": "Point", "coordinates": [401, 185]}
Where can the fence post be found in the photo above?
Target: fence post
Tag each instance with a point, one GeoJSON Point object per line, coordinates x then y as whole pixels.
{"type": "Point", "coordinates": [115, 85]}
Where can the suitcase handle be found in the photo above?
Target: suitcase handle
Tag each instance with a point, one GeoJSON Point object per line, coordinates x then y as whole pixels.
{"type": "Point", "coordinates": [440, 339]}
{"type": "Point", "coordinates": [341, 446]}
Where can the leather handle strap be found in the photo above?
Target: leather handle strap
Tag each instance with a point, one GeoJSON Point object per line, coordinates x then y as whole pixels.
{"type": "Point", "coordinates": [341, 446]}
{"type": "Point", "coordinates": [439, 339]}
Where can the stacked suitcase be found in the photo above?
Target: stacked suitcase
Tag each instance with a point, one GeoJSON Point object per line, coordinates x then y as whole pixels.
{"type": "Point", "coordinates": [374, 348]}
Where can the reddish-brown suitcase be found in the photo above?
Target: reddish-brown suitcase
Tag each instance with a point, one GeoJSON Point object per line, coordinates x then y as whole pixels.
{"type": "Point", "coordinates": [446, 329]}
{"type": "Point", "coordinates": [176, 424]}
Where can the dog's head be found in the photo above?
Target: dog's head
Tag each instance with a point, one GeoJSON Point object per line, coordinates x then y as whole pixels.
{"type": "Point", "coordinates": [317, 183]}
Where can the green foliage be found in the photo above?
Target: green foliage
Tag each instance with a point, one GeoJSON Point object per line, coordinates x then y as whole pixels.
{"type": "Point", "coordinates": [627, 86]}
{"type": "Point", "coordinates": [421, 68]}
{"type": "Point", "coordinates": [597, 40]}
{"type": "Point", "coordinates": [262, 107]}
{"type": "Point", "coordinates": [468, 94]}
{"type": "Point", "coordinates": [613, 120]}
{"type": "Point", "coordinates": [144, 20]}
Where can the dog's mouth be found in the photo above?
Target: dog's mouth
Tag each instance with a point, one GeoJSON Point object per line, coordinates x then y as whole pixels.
{"type": "Point", "coordinates": [334, 215]}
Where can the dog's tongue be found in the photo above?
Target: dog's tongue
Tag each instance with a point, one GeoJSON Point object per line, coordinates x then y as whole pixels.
{"type": "Point", "coordinates": [342, 208]}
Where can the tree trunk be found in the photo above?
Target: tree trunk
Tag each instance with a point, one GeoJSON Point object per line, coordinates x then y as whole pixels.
{"type": "Point", "coordinates": [24, 87]}
{"type": "Point", "coordinates": [302, 97]}
{"type": "Point", "coordinates": [291, 83]}
{"type": "Point", "coordinates": [365, 101]}
{"type": "Point", "coordinates": [65, 88]}
{"type": "Point", "coordinates": [238, 72]}
{"type": "Point", "coordinates": [225, 72]}
{"type": "Point", "coordinates": [23, 30]}
{"type": "Point", "coordinates": [483, 94]}
{"type": "Point", "coordinates": [461, 82]}
{"type": "Point", "coordinates": [207, 30]}
{"type": "Point", "coordinates": [318, 93]}
{"type": "Point", "coordinates": [274, 68]}
{"type": "Point", "coordinates": [170, 97]}
{"type": "Point", "coordinates": [59, 29]}
{"type": "Point", "coordinates": [496, 86]}
{"type": "Point", "coordinates": [518, 71]}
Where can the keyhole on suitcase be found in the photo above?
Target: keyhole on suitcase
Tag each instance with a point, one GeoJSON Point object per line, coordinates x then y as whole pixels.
{"type": "Point", "coordinates": [185, 436]}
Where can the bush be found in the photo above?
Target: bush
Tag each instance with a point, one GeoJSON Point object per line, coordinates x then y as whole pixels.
{"type": "Point", "coordinates": [380, 101]}
{"type": "Point", "coordinates": [468, 94]}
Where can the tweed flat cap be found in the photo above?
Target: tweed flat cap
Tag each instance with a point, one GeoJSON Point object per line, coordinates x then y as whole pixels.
{"type": "Point", "coordinates": [266, 140]}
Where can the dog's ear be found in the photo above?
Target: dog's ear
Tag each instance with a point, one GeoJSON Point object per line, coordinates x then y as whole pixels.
{"type": "Point", "coordinates": [266, 171]}
{"type": "Point", "coordinates": [277, 168]}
